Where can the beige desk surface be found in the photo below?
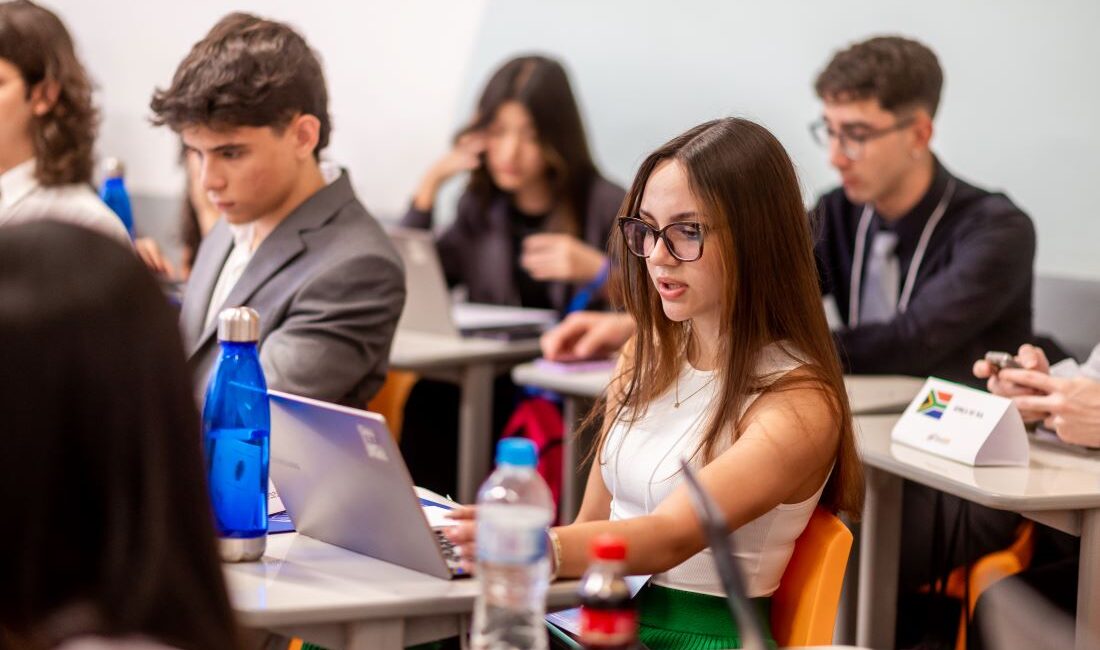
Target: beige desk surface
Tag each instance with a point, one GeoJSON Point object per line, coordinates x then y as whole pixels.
{"type": "Point", "coordinates": [416, 351]}
{"type": "Point", "coordinates": [1053, 480]}
{"type": "Point", "coordinates": [1057, 488]}
{"type": "Point", "coordinates": [307, 586]}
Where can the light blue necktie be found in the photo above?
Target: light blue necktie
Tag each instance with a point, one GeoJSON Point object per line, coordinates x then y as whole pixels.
{"type": "Point", "coordinates": [879, 302]}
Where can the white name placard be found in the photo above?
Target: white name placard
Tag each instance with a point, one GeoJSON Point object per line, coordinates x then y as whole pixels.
{"type": "Point", "coordinates": [966, 425]}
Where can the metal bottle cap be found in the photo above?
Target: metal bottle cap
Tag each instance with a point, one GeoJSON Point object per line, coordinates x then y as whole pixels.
{"type": "Point", "coordinates": [248, 549]}
{"type": "Point", "coordinates": [113, 168]}
{"type": "Point", "coordinates": [239, 325]}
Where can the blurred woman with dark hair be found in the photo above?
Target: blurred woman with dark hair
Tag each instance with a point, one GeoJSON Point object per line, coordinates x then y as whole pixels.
{"type": "Point", "coordinates": [533, 223]}
{"type": "Point", "coordinates": [530, 230]}
{"type": "Point", "coordinates": [47, 125]}
{"type": "Point", "coordinates": [109, 539]}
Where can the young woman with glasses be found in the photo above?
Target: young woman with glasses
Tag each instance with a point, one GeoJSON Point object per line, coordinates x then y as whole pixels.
{"type": "Point", "coordinates": [732, 366]}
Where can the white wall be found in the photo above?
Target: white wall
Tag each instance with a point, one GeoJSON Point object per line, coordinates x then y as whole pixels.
{"type": "Point", "coordinates": [393, 70]}
{"type": "Point", "coordinates": [1019, 111]}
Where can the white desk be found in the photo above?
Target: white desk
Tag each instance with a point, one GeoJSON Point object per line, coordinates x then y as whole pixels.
{"type": "Point", "coordinates": [343, 600]}
{"type": "Point", "coordinates": [473, 364]}
{"type": "Point", "coordinates": [1058, 489]}
{"type": "Point", "coordinates": [590, 384]}
{"type": "Point", "coordinates": [867, 394]}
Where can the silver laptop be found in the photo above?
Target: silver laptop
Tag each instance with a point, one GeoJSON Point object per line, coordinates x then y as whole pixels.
{"type": "Point", "coordinates": [428, 305]}
{"type": "Point", "coordinates": [343, 481]}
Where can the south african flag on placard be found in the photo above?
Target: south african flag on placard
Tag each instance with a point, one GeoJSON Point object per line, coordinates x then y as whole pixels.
{"type": "Point", "coordinates": [935, 404]}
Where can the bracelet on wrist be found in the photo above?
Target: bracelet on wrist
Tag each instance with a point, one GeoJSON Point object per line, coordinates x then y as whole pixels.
{"type": "Point", "coordinates": [555, 553]}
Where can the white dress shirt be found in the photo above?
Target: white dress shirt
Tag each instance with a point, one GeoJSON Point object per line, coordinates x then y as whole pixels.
{"type": "Point", "coordinates": [233, 268]}
{"type": "Point", "coordinates": [23, 199]}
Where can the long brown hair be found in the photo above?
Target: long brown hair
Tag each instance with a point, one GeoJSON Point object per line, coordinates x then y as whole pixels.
{"type": "Point", "coordinates": [745, 181]}
{"type": "Point", "coordinates": [541, 85]}
{"type": "Point", "coordinates": [37, 43]}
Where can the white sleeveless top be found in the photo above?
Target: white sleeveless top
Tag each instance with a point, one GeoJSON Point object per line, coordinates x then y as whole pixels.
{"type": "Point", "coordinates": [641, 466]}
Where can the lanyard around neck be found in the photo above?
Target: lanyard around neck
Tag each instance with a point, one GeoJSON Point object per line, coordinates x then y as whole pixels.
{"type": "Point", "coordinates": [914, 266]}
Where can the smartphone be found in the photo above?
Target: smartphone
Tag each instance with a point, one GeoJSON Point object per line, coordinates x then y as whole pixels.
{"type": "Point", "coordinates": [1001, 360]}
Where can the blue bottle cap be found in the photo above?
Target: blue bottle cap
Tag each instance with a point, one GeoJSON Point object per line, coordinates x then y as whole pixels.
{"type": "Point", "coordinates": [519, 452]}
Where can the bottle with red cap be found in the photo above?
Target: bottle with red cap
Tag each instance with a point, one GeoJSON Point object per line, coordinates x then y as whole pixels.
{"type": "Point", "coordinates": [608, 618]}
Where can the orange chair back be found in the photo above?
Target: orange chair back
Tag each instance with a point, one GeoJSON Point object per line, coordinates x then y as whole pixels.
{"type": "Point", "coordinates": [805, 605]}
{"type": "Point", "coordinates": [390, 399]}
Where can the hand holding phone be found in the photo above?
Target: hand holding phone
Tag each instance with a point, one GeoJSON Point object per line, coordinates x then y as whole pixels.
{"type": "Point", "coordinates": [1001, 360]}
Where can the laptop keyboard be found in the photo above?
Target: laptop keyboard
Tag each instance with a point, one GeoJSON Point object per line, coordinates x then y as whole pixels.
{"type": "Point", "coordinates": [450, 553]}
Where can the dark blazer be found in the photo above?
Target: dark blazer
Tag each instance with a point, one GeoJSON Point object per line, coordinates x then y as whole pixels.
{"type": "Point", "coordinates": [476, 250]}
{"type": "Point", "coordinates": [972, 293]}
{"type": "Point", "coordinates": [329, 287]}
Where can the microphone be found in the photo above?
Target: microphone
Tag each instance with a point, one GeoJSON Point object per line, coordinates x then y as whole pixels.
{"type": "Point", "coordinates": [742, 611]}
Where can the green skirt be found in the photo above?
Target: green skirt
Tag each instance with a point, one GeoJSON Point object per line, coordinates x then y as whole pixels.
{"type": "Point", "coordinates": [684, 620]}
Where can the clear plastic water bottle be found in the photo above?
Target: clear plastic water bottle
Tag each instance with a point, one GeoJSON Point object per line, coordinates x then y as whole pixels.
{"type": "Point", "coordinates": [236, 426]}
{"type": "Point", "coordinates": [114, 193]}
{"type": "Point", "coordinates": [514, 510]}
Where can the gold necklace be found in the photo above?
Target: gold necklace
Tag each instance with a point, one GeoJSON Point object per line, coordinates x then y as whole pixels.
{"type": "Point", "coordinates": [679, 401]}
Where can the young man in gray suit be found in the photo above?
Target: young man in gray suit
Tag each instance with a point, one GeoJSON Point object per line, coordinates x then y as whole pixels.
{"type": "Point", "coordinates": [249, 101]}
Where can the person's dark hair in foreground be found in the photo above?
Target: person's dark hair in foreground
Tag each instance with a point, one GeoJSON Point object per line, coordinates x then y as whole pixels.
{"type": "Point", "coordinates": [109, 532]}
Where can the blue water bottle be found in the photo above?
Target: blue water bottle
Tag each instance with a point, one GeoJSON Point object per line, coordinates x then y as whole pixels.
{"type": "Point", "coordinates": [114, 193]}
{"type": "Point", "coordinates": [236, 427]}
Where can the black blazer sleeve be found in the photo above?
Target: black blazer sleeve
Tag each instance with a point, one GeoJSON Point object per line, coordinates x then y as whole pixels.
{"type": "Point", "coordinates": [816, 218]}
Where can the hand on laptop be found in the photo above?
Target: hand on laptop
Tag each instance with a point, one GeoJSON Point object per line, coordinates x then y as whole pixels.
{"type": "Point", "coordinates": [587, 335]}
{"type": "Point", "coordinates": [556, 256]}
{"type": "Point", "coordinates": [1032, 359]}
{"type": "Point", "coordinates": [463, 535]}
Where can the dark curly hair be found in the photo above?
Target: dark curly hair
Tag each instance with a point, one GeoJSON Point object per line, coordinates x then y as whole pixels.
{"type": "Point", "coordinates": [900, 73]}
{"type": "Point", "coordinates": [247, 71]}
{"type": "Point", "coordinates": [36, 42]}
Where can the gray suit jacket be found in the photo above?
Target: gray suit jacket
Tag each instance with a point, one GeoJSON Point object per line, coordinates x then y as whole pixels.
{"type": "Point", "coordinates": [329, 287]}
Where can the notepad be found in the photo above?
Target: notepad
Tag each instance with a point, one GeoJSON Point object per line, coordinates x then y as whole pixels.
{"type": "Point", "coordinates": [567, 367]}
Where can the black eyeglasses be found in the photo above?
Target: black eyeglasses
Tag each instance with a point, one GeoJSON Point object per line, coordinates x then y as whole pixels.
{"type": "Point", "coordinates": [683, 239]}
{"type": "Point", "coordinates": [852, 143]}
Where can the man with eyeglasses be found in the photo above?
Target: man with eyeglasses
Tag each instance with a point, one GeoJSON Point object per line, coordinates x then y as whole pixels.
{"type": "Point", "coordinates": [928, 273]}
